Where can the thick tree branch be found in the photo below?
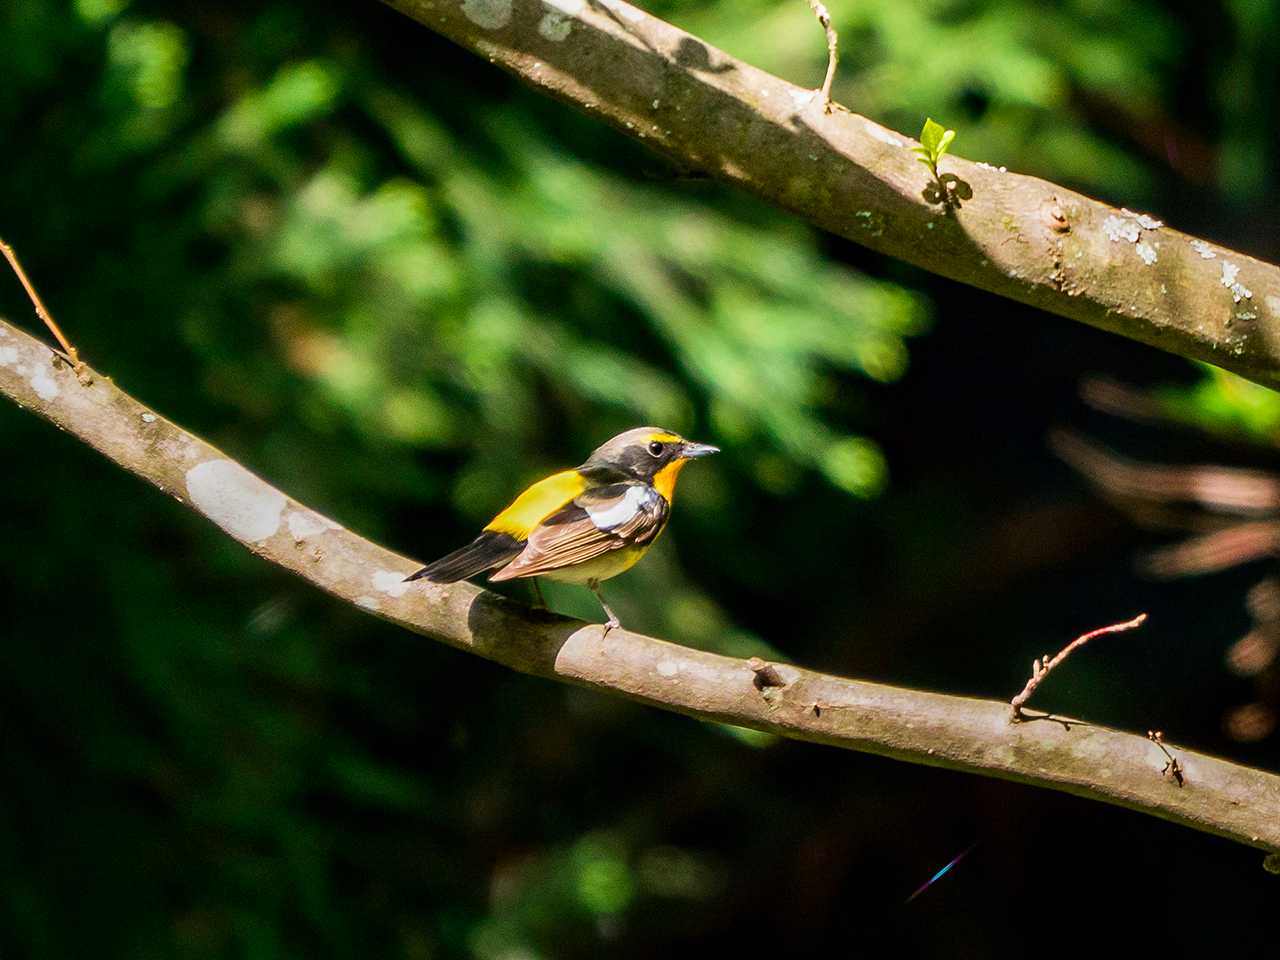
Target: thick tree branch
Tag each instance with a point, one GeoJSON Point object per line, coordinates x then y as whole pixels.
{"type": "Point", "coordinates": [954, 732]}
{"type": "Point", "coordinates": [1017, 236]}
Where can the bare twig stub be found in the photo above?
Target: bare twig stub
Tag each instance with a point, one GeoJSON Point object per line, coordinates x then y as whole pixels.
{"type": "Point", "coordinates": [833, 56]}
{"type": "Point", "coordinates": [959, 733]}
{"type": "Point", "coordinates": [1043, 666]}
{"type": "Point", "coordinates": [1172, 769]}
{"type": "Point", "coordinates": [766, 674]}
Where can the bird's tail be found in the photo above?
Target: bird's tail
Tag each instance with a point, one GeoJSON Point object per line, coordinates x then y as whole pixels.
{"type": "Point", "coordinates": [485, 552]}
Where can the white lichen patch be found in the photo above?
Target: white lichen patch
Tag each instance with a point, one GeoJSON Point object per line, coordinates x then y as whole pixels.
{"type": "Point", "coordinates": [1238, 290]}
{"type": "Point", "coordinates": [988, 166]}
{"type": "Point", "coordinates": [555, 26]}
{"type": "Point", "coordinates": [488, 14]}
{"type": "Point", "coordinates": [237, 501]}
{"type": "Point", "coordinates": [307, 523]}
{"type": "Point", "coordinates": [148, 418]}
{"type": "Point", "coordinates": [877, 132]}
{"type": "Point", "coordinates": [390, 583]}
{"type": "Point", "coordinates": [1144, 220]}
{"type": "Point", "coordinates": [8, 355]}
{"type": "Point", "coordinates": [45, 386]}
{"type": "Point", "coordinates": [1127, 227]}
{"type": "Point", "coordinates": [1202, 248]}
{"type": "Point", "coordinates": [1121, 228]}
{"type": "Point", "coordinates": [570, 8]}
{"type": "Point", "coordinates": [368, 602]}
{"type": "Point", "coordinates": [668, 668]}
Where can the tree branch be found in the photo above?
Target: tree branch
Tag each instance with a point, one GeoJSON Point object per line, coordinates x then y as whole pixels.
{"type": "Point", "coordinates": [1017, 236]}
{"type": "Point", "coordinates": [958, 733]}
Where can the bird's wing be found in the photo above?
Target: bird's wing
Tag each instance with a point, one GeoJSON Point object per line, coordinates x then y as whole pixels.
{"type": "Point", "coordinates": [504, 537]}
{"type": "Point", "coordinates": [598, 520]}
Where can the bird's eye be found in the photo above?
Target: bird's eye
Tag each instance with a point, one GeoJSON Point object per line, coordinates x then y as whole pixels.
{"type": "Point", "coordinates": [656, 448]}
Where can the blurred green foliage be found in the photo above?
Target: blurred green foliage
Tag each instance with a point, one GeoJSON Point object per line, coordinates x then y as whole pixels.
{"type": "Point", "coordinates": [375, 271]}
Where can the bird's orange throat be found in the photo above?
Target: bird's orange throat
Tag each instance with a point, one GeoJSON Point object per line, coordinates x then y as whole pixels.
{"type": "Point", "coordinates": [664, 481]}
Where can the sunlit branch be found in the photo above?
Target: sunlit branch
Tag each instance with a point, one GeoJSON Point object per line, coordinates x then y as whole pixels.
{"type": "Point", "coordinates": [1017, 236]}
{"type": "Point", "coordinates": [958, 733]}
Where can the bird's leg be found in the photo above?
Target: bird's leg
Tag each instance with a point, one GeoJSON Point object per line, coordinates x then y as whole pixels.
{"type": "Point", "coordinates": [613, 617]}
{"type": "Point", "coordinates": [538, 599]}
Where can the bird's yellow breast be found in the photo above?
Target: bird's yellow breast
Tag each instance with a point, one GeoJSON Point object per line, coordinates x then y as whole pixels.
{"type": "Point", "coordinates": [603, 567]}
{"type": "Point", "coordinates": [537, 503]}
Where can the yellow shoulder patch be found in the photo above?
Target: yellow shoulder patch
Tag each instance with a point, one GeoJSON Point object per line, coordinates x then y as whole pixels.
{"type": "Point", "coordinates": [537, 503]}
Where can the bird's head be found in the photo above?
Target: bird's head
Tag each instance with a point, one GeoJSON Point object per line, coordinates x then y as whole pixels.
{"type": "Point", "coordinates": [645, 453]}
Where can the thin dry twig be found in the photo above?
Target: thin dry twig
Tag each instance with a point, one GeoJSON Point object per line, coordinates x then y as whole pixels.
{"type": "Point", "coordinates": [69, 352]}
{"type": "Point", "coordinates": [833, 56]}
{"type": "Point", "coordinates": [1043, 666]}
{"type": "Point", "coordinates": [1172, 769]}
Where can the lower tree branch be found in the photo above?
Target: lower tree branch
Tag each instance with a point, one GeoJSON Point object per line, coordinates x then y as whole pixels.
{"type": "Point", "coordinates": [1016, 236]}
{"type": "Point", "coordinates": [958, 733]}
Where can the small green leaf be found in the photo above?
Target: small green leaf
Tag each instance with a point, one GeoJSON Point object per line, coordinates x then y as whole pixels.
{"type": "Point", "coordinates": [945, 143]}
{"type": "Point", "coordinates": [931, 136]}
{"type": "Point", "coordinates": [935, 140]}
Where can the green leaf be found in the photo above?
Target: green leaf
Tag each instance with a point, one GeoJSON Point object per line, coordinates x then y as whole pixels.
{"type": "Point", "coordinates": [945, 144]}
{"type": "Point", "coordinates": [931, 136]}
{"type": "Point", "coordinates": [935, 140]}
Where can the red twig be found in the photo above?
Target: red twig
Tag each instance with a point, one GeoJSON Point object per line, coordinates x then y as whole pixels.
{"type": "Point", "coordinates": [1041, 667]}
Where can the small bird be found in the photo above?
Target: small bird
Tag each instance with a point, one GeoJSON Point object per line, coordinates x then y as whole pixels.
{"type": "Point", "coordinates": [582, 525]}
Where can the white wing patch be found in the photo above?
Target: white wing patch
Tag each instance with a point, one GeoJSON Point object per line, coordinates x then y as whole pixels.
{"type": "Point", "coordinates": [632, 502]}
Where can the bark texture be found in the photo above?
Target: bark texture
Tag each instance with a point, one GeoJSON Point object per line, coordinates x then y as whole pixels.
{"type": "Point", "coordinates": [958, 733]}
{"type": "Point", "coordinates": [1017, 236]}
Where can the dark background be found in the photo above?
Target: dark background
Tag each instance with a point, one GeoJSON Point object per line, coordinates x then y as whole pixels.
{"type": "Point", "coordinates": [381, 274]}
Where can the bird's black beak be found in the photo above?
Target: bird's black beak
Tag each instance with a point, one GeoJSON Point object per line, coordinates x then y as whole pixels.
{"type": "Point", "coordinates": [693, 450]}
